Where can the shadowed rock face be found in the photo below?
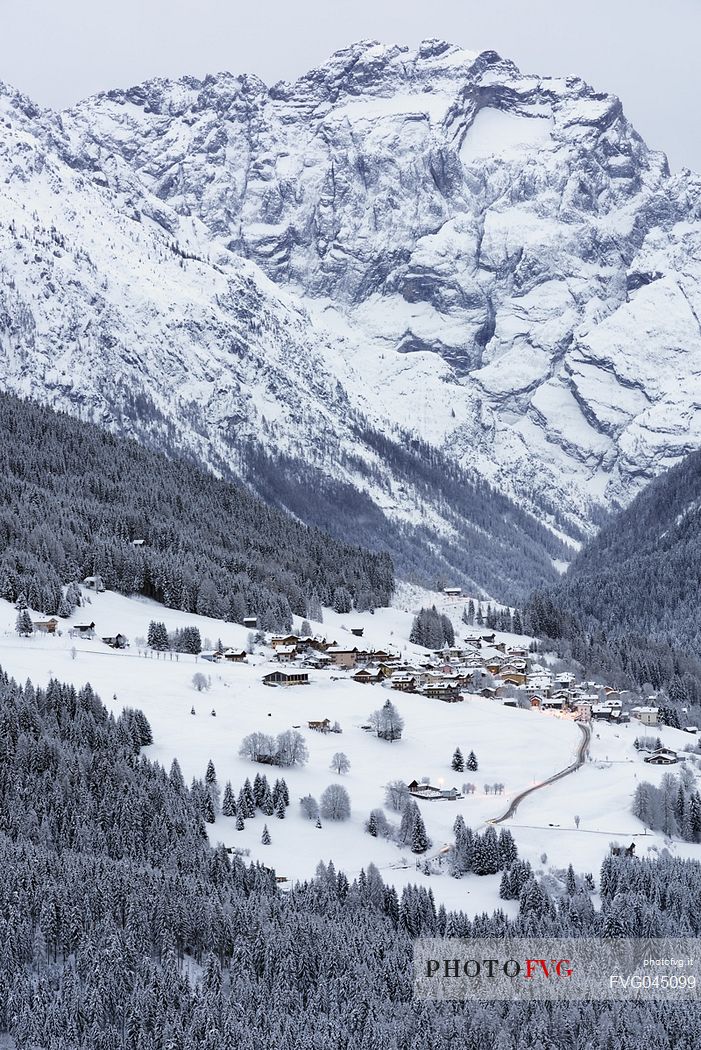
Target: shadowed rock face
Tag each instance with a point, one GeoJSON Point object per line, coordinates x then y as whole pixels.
{"type": "Point", "coordinates": [492, 259]}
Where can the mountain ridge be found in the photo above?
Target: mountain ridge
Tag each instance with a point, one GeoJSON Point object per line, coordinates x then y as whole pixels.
{"type": "Point", "coordinates": [424, 244]}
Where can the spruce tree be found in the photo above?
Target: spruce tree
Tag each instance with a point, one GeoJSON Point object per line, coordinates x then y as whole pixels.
{"type": "Point", "coordinates": [228, 806]}
{"type": "Point", "coordinates": [265, 837]}
{"type": "Point", "coordinates": [471, 763]}
{"type": "Point", "coordinates": [267, 805]}
{"type": "Point", "coordinates": [23, 624]}
{"type": "Point", "coordinates": [458, 762]}
{"type": "Point", "coordinates": [419, 839]}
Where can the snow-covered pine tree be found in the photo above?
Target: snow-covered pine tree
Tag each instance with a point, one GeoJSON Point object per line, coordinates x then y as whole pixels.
{"type": "Point", "coordinates": [420, 841]}
{"type": "Point", "coordinates": [228, 806]}
{"type": "Point", "coordinates": [23, 624]}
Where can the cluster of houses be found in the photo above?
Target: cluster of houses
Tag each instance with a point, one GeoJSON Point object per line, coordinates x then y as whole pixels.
{"type": "Point", "coordinates": [481, 664]}
{"type": "Point", "coordinates": [79, 630]}
{"type": "Point", "coordinates": [228, 655]}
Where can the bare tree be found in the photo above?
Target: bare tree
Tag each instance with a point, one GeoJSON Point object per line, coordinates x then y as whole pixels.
{"type": "Point", "coordinates": [340, 763]}
{"type": "Point", "coordinates": [291, 749]}
{"type": "Point", "coordinates": [309, 807]}
{"type": "Point", "coordinates": [335, 803]}
{"type": "Point", "coordinates": [200, 682]}
{"type": "Point", "coordinates": [259, 747]}
{"type": "Point", "coordinates": [396, 795]}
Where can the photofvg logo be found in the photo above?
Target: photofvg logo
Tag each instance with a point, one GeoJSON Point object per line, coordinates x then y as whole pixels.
{"type": "Point", "coordinates": [568, 968]}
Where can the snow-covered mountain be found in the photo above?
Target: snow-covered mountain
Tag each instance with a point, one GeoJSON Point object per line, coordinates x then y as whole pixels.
{"type": "Point", "coordinates": [118, 309]}
{"type": "Point", "coordinates": [430, 240]}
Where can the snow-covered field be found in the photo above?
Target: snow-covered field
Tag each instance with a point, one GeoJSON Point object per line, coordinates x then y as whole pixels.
{"type": "Point", "coordinates": [514, 747]}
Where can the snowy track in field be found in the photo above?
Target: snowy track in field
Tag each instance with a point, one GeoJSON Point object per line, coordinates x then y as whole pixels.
{"type": "Point", "coordinates": [581, 755]}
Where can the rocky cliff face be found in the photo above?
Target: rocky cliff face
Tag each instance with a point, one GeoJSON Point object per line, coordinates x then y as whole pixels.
{"type": "Point", "coordinates": [433, 240]}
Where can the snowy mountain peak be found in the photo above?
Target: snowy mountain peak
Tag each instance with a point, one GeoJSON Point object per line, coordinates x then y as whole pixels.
{"type": "Point", "coordinates": [429, 240]}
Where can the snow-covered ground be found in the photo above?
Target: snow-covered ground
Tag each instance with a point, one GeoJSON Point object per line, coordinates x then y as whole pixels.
{"type": "Point", "coordinates": [514, 747]}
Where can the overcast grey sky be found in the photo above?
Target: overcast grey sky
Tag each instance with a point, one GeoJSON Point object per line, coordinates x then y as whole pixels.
{"type": "Point", "coordinates": [646, 51]}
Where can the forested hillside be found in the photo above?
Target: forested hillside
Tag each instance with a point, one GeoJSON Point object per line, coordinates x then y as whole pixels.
{"type": "Point", "coordinates": [630, 600]}
{"type": "Point", "coordinates": [74, 499]}
{"type": "Point", "coordinates": [485, 542]}
{"type": "Point", "coordinates": [109, 886]}
{"type": "Point", "coordinates": [642, 572]}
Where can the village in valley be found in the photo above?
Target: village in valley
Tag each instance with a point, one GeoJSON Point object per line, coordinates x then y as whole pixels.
{"type": "Point", "coordinates": [485, 723]}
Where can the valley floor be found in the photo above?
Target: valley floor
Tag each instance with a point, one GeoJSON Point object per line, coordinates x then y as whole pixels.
{"type": "Point", "coordinates": [514, 747]}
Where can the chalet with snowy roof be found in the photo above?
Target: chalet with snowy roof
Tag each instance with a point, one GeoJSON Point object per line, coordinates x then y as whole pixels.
{"type": "Point", "coordinates": [357, 632]}
{"type": "Point", "coordinates": [448, 652]}
{"type": "Point", "coordinates": [82, 630]}
{"type": "Point", "coordinates": [321, 726]}
{"type": "Point", "coordinates": [285, 654]}
{"type": "Point", "coordinates": [606, 712]}
{"type": "Point", "coordinates": [116, 641]}
{"type": "Point", "coordinates": [236, 656]}
{"type": "Point", "coordinates": [405, 683]}
{"type": "Point", "coordinates": [647, 716]}
{"type": "Point", "coordinates": [281, 641]}
{"type": "Point", "coordinates": [662, 756]}
{"type": "Point", "coordinates": [320, 644]}
{"type": "Point", "coordinates": [538, 685]}
{"type": "Point", "coordinates": [565, 678]}
{"type": "Point", "coordinates": [94, 583]}
{"type": "Point", "coordinates": [383, 656]}
{"type": "Point", "coordinates": [512, 678]}
{"type": "Point", "coordinates": [452, 592]}
{"type": "Point", "coordinates": [520, 666]}
{"type": "Point", "coordinates": [318, 660]}
{"type": "Point", "coordinates": [448, 691]}
{"type": "Point", "coordinates": [367, 676]}
{"type": "Point", "coordinates": [45, 626]}
{"type": "Point", "coordinates": [286, 678]}
{"type": "Point", "coordinates": [342, 657]}
{"type": "Point", "coordinates": [429, 793]}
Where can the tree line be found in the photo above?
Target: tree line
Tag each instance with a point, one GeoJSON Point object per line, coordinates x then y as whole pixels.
{"type": "Point", "coordinates": [110, 891]}
{"type": "Point", "coordinates": [79, 502]}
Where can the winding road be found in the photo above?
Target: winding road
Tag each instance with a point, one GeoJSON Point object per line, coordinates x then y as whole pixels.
{"type": "Point", "coordinates": [581, 755]}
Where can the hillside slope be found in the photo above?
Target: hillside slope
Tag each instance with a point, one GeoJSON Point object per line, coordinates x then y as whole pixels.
{"type": "Point", "coordinates": [77, 501]}
{"type": "Point", "coordinates": [642, 572]}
